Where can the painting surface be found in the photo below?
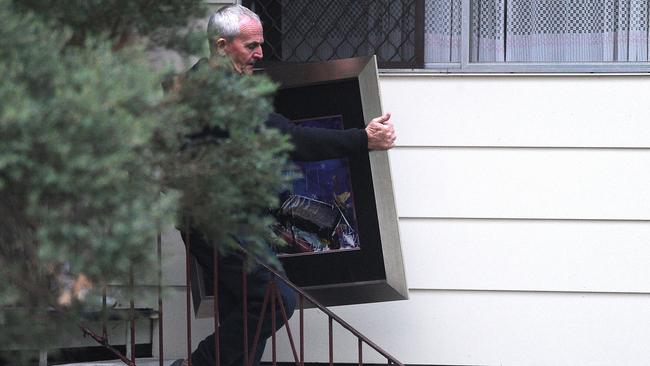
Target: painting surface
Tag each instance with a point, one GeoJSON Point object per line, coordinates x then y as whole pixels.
{"type": "Point", "coordinates": [318, 215]}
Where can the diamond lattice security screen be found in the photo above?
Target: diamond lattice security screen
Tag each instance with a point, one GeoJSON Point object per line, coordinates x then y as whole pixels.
{"type": "Point", "coordinates": [308, 30]}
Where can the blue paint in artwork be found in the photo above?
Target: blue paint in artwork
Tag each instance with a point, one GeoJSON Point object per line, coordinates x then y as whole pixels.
{"type": "Point", "coordinates": [325, 181]}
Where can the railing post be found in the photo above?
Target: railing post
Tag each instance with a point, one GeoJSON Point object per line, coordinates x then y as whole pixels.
{"type": "Point", "coordinates": [260, 322]}
{"type": "Point", "coordinates": [273, 316]}
{"type": "Point", "coordinates": [285, 318]}
{"type": "Point", "coordinates": [215, 294]}
{"type": "Point", "coordinates": [161, 355]}
{"type": "Point", "coordinates": [244, 282]}
{"type": "Point", "coordinates": [331, 340]}
{"type": "Point", "coordinates": [187, 292]}
{"type": "Point", "coordinates": [104, 314]}
{"type": "Point", "coordinates": [302, 330]}
{"type": "Point", "coordinates": [360, 352]}
{"type": "Point", "coordinates": [132, 312]}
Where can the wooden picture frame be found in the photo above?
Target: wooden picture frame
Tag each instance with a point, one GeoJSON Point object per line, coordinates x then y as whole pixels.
{"type": "Point", "coordinates": [375, 272]}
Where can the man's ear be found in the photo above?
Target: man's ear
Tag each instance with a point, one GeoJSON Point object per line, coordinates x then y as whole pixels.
{"type": "Point", "coordinates": [221, 44]}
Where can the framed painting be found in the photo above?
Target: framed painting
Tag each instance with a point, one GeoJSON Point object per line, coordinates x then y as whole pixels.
{"type": "Point", "coordinates": [318, 214]}
{"type": "Point", "coordinates": [339, 221]}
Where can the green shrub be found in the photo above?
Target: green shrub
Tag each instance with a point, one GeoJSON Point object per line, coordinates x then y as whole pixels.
{"type": "Point", "coordinates": [95, 158]}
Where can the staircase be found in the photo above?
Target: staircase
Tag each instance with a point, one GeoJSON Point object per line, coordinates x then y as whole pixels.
{"type": "Point", "coordinates": [144, 329]}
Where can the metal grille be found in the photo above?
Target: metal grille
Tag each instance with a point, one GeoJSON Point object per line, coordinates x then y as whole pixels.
{"type": "Point", "coordinates": [317, 30]}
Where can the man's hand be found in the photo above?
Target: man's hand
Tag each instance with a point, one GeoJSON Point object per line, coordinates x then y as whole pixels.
{"type": "Point", "coordinates": [381, 133]}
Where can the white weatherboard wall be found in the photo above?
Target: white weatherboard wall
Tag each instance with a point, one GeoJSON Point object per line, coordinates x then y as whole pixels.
{"type": "Point", "coordinates": [524, 206]}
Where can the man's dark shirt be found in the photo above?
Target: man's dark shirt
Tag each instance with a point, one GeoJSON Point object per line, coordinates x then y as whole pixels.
{"type": "Point", "coordinates": [310, 143]}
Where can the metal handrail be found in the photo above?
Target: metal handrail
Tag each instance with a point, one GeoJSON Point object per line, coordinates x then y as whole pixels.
{"type": "Point", "coordinates": [271, 296]}
{"type": "Point", "coordinates": [332, 317]}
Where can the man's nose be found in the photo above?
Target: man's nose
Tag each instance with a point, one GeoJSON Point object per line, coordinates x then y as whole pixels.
{"type": "Point", "coordinates": [259, 54]}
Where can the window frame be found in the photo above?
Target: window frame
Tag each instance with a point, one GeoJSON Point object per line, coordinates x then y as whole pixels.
{"type": "Point", "coordinates": [467, 67]}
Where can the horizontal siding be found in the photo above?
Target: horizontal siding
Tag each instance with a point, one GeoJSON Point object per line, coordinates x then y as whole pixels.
{"type": "Point", "coordinates": [524, 208]}
{"type": "Point", "coordinates": [527, 255]}
{"type": "Point", "coordinates": [601, 184]}
{"type": "Point", "coordinates": [490, 328]}
{"type": "Point", "coordinates": [557, 111]}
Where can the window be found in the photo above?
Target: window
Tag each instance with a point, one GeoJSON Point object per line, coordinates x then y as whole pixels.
{"type": "Point", "coordinates": [463, 35]}
{"type": "Point", "coordinates": [307, 30]}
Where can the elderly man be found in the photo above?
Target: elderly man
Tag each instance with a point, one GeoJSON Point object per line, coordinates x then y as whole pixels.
{"type": "Point", "coordinates": [235, 34]}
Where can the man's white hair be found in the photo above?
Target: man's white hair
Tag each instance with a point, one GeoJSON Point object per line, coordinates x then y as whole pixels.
{"type": "Point", "coordinates": [225, 22]}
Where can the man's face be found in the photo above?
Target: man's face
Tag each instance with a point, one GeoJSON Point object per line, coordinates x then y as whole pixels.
{"type": "Point", "coordinates": [246, 48]}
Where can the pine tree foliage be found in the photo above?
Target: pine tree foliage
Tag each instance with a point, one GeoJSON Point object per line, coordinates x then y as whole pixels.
{"type": "Point", "coordinates": [230, 124]}
{"type": "Point", "coordinates": [117, 19]}
{"type": "Point", "coordinates": [95, 158]}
